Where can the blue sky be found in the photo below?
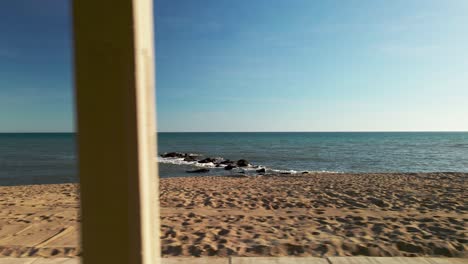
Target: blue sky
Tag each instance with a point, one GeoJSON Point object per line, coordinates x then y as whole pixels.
{"type": "Point", "coordinates": [261, 65]}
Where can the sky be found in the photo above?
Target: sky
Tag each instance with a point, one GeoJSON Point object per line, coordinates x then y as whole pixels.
{"type": "Point", "coordinates": [259, 65]}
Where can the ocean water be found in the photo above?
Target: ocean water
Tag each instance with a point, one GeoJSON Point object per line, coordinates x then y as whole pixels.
{"type": "Point", "coordinates": [323, 151]}
{"type": "Point", "coordinates": [50, 158]}
{"type": "Point", "coordinates": [37, 158]}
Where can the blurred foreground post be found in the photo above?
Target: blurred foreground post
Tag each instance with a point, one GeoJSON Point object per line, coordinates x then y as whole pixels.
{"type": "Point", "coordinates": [114, 79]}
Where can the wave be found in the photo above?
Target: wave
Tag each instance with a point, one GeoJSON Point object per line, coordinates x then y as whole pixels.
{"type": "Point", "coordinates": [249, 169]}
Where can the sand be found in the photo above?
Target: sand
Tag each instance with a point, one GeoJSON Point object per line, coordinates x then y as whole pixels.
{"type": "Point", "coordinates": [304, 215]}
{"type": "Point", "coordinates": [39, 220]}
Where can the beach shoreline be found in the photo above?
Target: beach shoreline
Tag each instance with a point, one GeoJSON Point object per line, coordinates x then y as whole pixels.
{"type": "Point", "coordinates": [315, 214]}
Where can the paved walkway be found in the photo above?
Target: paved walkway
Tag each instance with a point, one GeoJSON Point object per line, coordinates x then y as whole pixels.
{"type": "Point", "coordinates": [261, 260]}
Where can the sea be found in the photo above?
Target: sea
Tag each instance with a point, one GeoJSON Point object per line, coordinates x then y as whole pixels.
{"type": "Point", "coordinates": [43, 158]}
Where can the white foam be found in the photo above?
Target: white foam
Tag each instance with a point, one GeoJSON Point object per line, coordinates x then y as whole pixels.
{"type": "Point", "coordinates": [248, 169]}
{"type": "Point", "coordinates": [181, 161]}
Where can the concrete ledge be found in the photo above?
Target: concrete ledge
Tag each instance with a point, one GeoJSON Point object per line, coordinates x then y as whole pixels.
{"type": "Point", "coordinates": [261, 260]}
{"type": "Point", "coordinates": [447, 260]}
{"type": "Point", "coordinates": [16, 260]}
{"type": "Point", "coordinates": [377, 260]}
{"type": "Point", "coordinates": [281, 260]}
{"type": "Point", "coordinates": [194, 261]}
{"type": "Point", "coordinates": [57, 261]}
{"type": "Point", "coordinates": [40, 261]}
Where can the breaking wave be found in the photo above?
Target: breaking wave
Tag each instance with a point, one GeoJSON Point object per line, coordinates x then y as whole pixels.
{"type": "Point", "coordinates": [210, 165]}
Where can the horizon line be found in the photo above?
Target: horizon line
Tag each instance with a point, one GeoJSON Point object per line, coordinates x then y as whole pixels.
{"type": "Point", "coordinates": [299, 131]}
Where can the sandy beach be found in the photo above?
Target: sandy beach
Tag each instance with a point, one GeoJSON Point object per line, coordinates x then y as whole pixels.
{"type": "Point", "coordinates": [39, 220]}
{"type": "Point", "coordinates": [272, 215]}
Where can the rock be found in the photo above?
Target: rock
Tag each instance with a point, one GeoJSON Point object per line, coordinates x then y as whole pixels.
{"type": "Point", "coordinates": [242, 163]}
{"type": "Point", "coordinates": [262, 170]}
{"type": "Point", "coordinates": [173, 155]}
{"type": "Point", "coordinates": [207, 160]}
{"type": "Point", "coordinates": [221, 161]}
{"type": "Point", "coordinates": [229, 167]}
{"type": "Point", "coordinates": [285, 173]}
{"type": "Point", "coordinates": [203, 170]}
{"type": "Point", "coordinates": [190, 158]}
{"type": "Point", "coordinates": [305, 172]}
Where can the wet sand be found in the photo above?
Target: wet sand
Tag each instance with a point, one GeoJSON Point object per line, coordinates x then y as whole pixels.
{"type": "Point", "coordinates": [282, 215]}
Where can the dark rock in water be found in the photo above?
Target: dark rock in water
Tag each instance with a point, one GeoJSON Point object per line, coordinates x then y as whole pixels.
{"type": "Point", "coordinates": [221, 161]}
{"type": "Point", "coordinates": [305, 172]}
{"type": "Point", "coordinates": [226, 162]}
{"type": "Point", "coordinates": [173, 155]}
{"type": "Point", "coordinates": [229, 167]}
{"type": "Point", "coordinates": [190, 158]}
{"type": "Point", "coordinates": [207, 160]}
{"type": "Point", "coordinates": [242, 163]}
{"type": "Point", "coordinates": [262, 170]}
{"type": "Point", "coordinates": [203, 170]}
{"type": "Point", "coordinates": [285, 173]}
{"type": "Point", "coordinates": [191, 155]}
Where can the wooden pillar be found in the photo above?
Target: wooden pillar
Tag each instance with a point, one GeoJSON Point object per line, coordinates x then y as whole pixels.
{"type": "Point", "coordinates": [114, 82]}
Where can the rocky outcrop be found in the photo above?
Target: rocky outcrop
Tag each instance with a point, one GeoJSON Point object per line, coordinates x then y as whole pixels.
{"type": "Point", "coordinates": [229, 167]}
{"type": "Point", "coordinates": [242, 163]}
{"type": "Point", "coordinates": [226, 162]}
{"type": "Point", "coordinates": [207, 160]}
{"type": "Point", "coordinates": [190, 158]}
{"type": "Point", "coordinates": [262, 170]}
{"type": "Point", "coordinates": [186, 156]}
{"type": "Point", "coordinates": [173, 155]}
{"type": "Point", "coordinates": [218, 162]}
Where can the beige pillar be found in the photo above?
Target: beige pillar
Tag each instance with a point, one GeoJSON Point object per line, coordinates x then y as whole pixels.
{"type": "Point", "coordinates": [114, 79]}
